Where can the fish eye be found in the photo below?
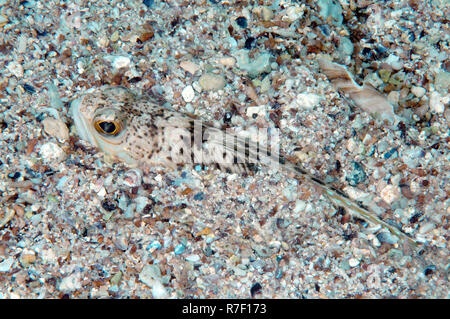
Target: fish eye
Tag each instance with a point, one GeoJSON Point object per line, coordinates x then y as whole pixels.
{"type": "Point", "coordinates": [108, 127]}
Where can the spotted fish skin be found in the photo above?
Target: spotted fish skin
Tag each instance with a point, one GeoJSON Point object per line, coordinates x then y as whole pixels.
{"type": "Point", "coordinates": [153, 135]}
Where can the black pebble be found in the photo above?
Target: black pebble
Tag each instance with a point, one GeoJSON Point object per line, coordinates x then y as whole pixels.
{"type": "Point", "coordinates": [108, 206]}
{"type": "Point", "coordinates": [29, 88]}
{"type": "Point", "coordinates": [429, 270]}
{"type": "Point", "coordinates": [227, 117]}
{"type": "Point", "coordinates": [242, 22]}
{"type": "Point", "coordinates": [250, 43]}
{"type": "Point", "coordinates": [356, 175]}
{"type": "Point", "coordinates": [14, 175]}
{"type": "Point", "coordinates": [256, 289]}
{"type": "Point", "coordinates": [148, 3]}
{"type": "Point", "coordinates": [367, 53]}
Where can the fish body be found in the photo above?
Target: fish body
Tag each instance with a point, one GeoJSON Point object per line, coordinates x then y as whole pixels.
{"type": "Point", "coordinates": [141, 132]}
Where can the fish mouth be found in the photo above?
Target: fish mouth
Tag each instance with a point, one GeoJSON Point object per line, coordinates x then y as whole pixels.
{"type": "Point", "coordinates": [82, 126]}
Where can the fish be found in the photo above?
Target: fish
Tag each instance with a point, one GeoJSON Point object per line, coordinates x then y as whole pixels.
{"type": "Point", "coordinates": [140, 131]}
{"type": "Point", "coordinates": [365, 97]}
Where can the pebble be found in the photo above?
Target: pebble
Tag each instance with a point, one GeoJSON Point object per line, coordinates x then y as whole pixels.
{"type": "Point", "coordinates": [70, 283]}
{"type": "Point", "coordinates": [190, 67]}
{"type": "Point", "coordinates": [158, 291]}
{"type": "Point", "coordinates": [141, 202]}
{"type": "Point", "coordinates": [293, 14]}
{"type": "Point", "coordinates": [8, 214]}
{"type": "Point", "coordinates": [148, 3]}
{"type": "Point", "coordinates": [356, 175]}
{"type": "Point", "coordinates": [393, 97]}
{"type": "Point", "coordinates": [427, 227]}
{"type": "Point", "coordinates": [242, 22]}
{"type": "Point", "coordinates": [154, 245]}
{"type": "Point", "coordinates": [27, 258]}
{"type": "Point", "coordinates": [353, 262]}
{"type": "Point", "coordinates": [150, 272]}
{"type": "Point", "coordinates": [255, 289]}
{"type": "Point", "coordinates": [436, 104]}
{"type": "Point", "coordinates": [3, 20]}
{"type": "Point", "coordinates": [331, 8]}
{"type": "Point", "coordinates": [29, 88]}
{"type": "Point", "coordinates": [387, 237]}
{"type": "Point", "coordinates": [188, 94]}
{"type": "Point", "coordinates": [299, 206]}
{"type": "Point", "coordinates": [132, 178]}
{"type": "Point", "coordinates": [6, 264]}
{"type": "Point", "coordinates": [418, 91]}
{"type": "Point", "coordinates": [52, 153]}
{"type": "Point", "coordinates": [250, 43]}
{"type": "Point", "coordinates": [193, 258]}
{"type": "Point", "coordinates": [15, 68]}
{"type": "Point", "coordinates": [264, 12]}
{"type": "Point", "coordinates": [211, 82]}
{"type": "Point", "coordinates": [151, 276]}
{"type": "Point", "coordinates": [56, 128]}
{"type": "Point", "coordinates": [115, 280]}
{"type": "Point", "coordinates": [394, 61]}
{"type": "Point", "coordinates": [390, 194]}
{"type": "Point", "coordinates": [442, 82]}
{"type": "Point", "coordinates": [119, 62]}
{"type": "Point", "coordinates": [115, 36]}
{"type": "Point", "coordinates": [255, 111]}
{"type": "Point", "coordinates": [179, 249]}
{"type": "Point", "coordinates": [199, 196]}
{"type": "Point", "coordinates": [254, 67]}
{"type": "Point", "coordinates": [345, 47]}
{"type": "Point", "coordinates": [228, 61]}
{"type": "Point", "coordinates": [373, 79]}
{"type": "Point", "coordinates": [308, 100]}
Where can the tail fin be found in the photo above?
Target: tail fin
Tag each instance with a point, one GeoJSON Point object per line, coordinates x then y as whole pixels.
{"type": "Point", "coordinates": [246, 154]}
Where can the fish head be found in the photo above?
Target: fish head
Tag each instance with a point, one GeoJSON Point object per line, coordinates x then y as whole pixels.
{"type": "Point", "coordinates": [100, 117]}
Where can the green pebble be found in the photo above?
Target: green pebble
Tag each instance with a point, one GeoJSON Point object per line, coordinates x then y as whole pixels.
{"type": "Point", "coordinates": [384, 75]}
{"type": "Point", "coordinates": [115, 280]}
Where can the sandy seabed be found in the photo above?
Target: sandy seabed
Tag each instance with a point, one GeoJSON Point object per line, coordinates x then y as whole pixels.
{"type": "Point", "coordinates": [74, 225]}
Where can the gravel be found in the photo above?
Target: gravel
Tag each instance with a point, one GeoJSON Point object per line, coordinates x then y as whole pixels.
{"type": "Point", "coordinates": [76, 225]}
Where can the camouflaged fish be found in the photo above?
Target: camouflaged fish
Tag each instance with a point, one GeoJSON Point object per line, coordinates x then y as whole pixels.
{"type": "Point", "coordinates": [139, 131]}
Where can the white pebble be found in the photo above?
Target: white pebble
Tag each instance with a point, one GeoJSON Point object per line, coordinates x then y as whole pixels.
{"type": "Point", "coordinates": [51, 152]}
{"type": "Point", "coordinates": [15, 68]}
{"type": "Point", "coordinates": [394, 97]}
{"type": "Point", "coordinates": [227, 61]}
{"type": "Point", "coordinates": [211, 82]}
{"type": "Point", "coordinates": [189, 66]}
{"type": "Point", "coordinates": [436, 104]}
{"type": "Point", "coordinates": [70, 283]}
{"type": "Point", "coordinates": [307, 100]}
{"type": "Point", "coordinates": [193, 258]}
{"type": "Point", "coordinates": [390, 194]}
{"type": "Point", "coordinates": [56, 128]}
{"type": "Point", "coordinates": [353, 262]}
{"type": "Point", "coordinates": [427, 227]}
{"type": "Point", "coordinates": [266, 13]}
{"type": "Point", "coordinates": [418, 91]}
{"type": "Point", "coordinates": [188, 94]}
{"type": "Point", "coordinates": [119, 62]}
{"type": "Point", "coordinates": [394, 61]}
{"type": "Point", "coordinates": [132, 178]}
{"type": "Point", "coordinates": [6, 264]}
{"type": "Point", "coordinates": [258, 110]}
{"type": "Point", "coordinates": [158, 290]}
{"type": "Point", "coordinates": [293, 14]}
{"type": "Point", "coordinates": [299, 206]}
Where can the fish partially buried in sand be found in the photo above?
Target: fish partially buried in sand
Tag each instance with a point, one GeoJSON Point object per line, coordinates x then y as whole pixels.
{"type": "Point", "coordinates": [141, 132]}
